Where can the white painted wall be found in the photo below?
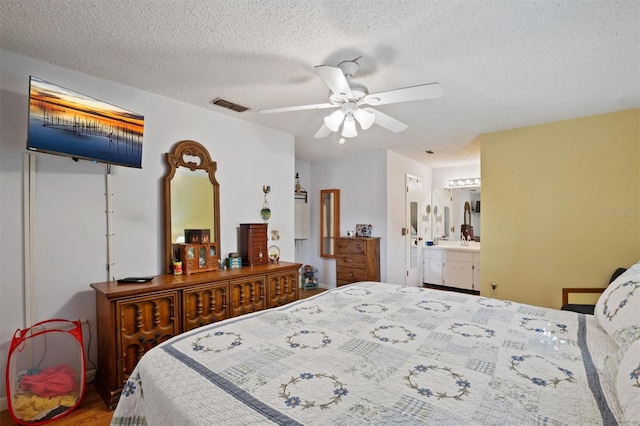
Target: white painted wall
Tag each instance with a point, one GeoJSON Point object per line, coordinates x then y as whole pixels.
{"type": "Point", "coordinates": [372, 190]}
{"type": "Point", "coordinates": [70, 245]}
{"type": "Point", "coordinates": [362, 183]}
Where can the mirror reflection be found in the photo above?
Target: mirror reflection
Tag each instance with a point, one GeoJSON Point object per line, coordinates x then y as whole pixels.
{"type": "Point", "coordinates": [329, 221]}
{"type": "Point", "coordinates": [441, 213]}
{"type": "Point", "coordinates": [192, 189]}
{"type": "Point", "coordinates": [455, 210]}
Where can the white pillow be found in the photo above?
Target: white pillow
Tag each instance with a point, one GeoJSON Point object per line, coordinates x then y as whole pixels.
{"type": "Point", "coordinates": [628, 384]}
{"type": "Point", "coordinates": [618, 308]}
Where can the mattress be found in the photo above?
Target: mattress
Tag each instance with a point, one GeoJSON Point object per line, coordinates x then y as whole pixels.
{"type": "Point", "coordinates": [380, 353]}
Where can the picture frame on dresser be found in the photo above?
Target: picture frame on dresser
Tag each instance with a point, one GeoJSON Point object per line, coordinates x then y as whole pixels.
{"type": "Point", "coordinates": [363, 230]}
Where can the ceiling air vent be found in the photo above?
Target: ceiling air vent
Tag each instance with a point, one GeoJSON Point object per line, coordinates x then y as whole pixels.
{"type": "Point", "coordinates": [228, 105]}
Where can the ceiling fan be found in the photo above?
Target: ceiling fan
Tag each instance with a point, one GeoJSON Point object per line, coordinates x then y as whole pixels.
{"type": "Point", "coordinates": [352, 98]}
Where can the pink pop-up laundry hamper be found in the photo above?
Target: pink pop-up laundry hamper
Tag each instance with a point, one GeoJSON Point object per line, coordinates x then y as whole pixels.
{"type": "Point", "coordinates": [45, 376]}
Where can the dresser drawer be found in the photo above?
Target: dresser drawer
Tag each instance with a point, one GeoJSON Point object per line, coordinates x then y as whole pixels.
{"type": "Point", "coordinates": [351, 260]}
{"type": "Point", "coordinates": [458, 256]}
{"type": "Point", "coordinates": [357, 259]}
{"type": "Point", "coordinates": [348, 246]}
{"type": "Point", "coordinates": [350, 274]}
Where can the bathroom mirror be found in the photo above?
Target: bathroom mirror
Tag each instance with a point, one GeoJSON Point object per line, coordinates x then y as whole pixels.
{"type": "Point", "coordinates": [440, 219]}
{"type": "Point", "coordinates": [329, 221]}
{"type": "Point", "coordinates": [191, 196]}
{"type": "Point", "coordinates": [450, 216]}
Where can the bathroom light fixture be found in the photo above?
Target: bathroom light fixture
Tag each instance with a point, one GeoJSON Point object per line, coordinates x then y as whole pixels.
{"type": "Point", "coordinates": [466, 182]}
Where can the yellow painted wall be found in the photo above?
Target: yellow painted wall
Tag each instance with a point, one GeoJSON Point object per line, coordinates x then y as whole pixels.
{"type": "Point", "coordinates": [560, 206]}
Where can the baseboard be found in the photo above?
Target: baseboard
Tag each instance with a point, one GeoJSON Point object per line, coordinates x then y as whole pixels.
{"type": "Point", "coordinates": [90, 375]}
{"type": "Point", "coordinates": [3, 404]}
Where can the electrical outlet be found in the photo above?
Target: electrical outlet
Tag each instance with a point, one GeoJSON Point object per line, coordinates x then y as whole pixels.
{"type": "Point", "coordinates": [494, 288]}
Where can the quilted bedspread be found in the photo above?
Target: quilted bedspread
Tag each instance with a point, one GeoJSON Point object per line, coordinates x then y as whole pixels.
{"type": "Point", "coordinates": [377, 353]}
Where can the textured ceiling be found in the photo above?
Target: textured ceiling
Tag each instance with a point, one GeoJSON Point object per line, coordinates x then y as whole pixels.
{"type": "Point", "coordinates": [503, 63]}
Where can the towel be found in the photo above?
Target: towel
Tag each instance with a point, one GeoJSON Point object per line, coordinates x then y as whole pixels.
{"type": "Point", "coordinates": [301, 221]}
{"type": "Point", "coordinates": [53, 381]}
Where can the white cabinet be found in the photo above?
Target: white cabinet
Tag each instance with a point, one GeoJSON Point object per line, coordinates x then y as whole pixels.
{"type": "Point", "coordinates": [432, 266]}
{"type": "Point", "coordinates": [451, 267]}
{"type": "Point", "coordinates": [458, 274]}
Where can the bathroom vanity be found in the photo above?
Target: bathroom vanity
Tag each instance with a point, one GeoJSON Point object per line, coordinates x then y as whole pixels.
{"type": "Point", "coordinates": [452, 265]}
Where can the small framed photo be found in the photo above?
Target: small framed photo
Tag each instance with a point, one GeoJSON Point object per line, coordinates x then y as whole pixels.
{"type": "Point", "coordinates": [363, 230]}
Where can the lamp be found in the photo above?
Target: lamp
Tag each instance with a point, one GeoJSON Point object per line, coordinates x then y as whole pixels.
{"type": "Point", "coordinates": [365, 118]}
{"type": "Point", "coordinates": [349, 127]}
{"type": "Point", "coordinates": [465, 182]}
{"type": "Point", "coordinates": [333, 120]}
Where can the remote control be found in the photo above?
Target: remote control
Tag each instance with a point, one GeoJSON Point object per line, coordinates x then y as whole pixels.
{"type": "Point", "coordinates": [134, 280]}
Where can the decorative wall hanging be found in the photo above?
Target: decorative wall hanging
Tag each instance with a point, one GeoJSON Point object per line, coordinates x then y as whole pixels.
{"type": "Point", "coordinates": [265, 213]}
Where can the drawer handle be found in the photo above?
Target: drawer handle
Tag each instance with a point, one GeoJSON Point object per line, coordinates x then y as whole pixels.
{"type": "Point", "coordinates": [153, 341]}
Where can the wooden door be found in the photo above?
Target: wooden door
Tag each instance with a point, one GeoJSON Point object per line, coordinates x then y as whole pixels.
{"type": "Point", "coordinates": [205, 305]}
{"type": "Point", "coordinates": [282, 288]}
{"type": "Point", "coordinates": [247, 295]}
{"type": "Point", "coordinates": [143, 322]}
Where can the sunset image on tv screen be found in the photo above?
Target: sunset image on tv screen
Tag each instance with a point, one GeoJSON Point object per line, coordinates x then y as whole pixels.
{"type": "Point", "coordinates": [65, 122]}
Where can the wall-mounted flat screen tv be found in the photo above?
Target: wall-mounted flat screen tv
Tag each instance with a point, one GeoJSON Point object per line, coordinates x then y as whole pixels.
{"type": "Point", "coordinates": [68, 123]}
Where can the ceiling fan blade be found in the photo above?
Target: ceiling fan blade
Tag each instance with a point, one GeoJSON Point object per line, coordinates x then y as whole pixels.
{"type": "Point", "coordinates": [323, 132]}
{"type": "Point", "coordinates": [414, 93]}
{"type": "Point", "coordinates": [365, 118]}
{"type": "Point", "coordinates": [296, 108]}
{"type": "Point", "coordinates": [335, 79]}
{"type": "Point", "coordinates": [334, 120]}
{"type": "Point", "coordinates": [386, 121]}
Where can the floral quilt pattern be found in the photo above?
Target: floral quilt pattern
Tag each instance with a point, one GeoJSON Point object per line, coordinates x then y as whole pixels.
{"type": "Point", "coordinates": [377, 353]}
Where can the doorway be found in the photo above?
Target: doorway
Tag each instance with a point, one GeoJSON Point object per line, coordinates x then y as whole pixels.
{"type": "Point", "coordinates": [413, 226]}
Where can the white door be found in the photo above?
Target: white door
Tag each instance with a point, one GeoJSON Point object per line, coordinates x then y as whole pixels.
{"type": "Point", "coordinates": [413, 226]}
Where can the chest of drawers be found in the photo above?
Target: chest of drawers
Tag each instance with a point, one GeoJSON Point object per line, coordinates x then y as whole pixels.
{"type": "Point", "coordinates": [357, 259]}
{"type": "Point", "coordinates": [252, 244]}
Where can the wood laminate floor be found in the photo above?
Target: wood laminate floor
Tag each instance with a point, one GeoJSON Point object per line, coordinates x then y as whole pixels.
{"type": "Point", "coordinates": [92, 411]}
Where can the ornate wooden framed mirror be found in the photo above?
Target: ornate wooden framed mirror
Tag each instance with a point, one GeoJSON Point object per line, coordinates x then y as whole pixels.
{"type": "Point", "coordinates": [191, 196]}
{"type": "Point", "coordinates": [329, 221]}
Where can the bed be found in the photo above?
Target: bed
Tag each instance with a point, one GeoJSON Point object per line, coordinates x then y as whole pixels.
{"type": "Point", "coordinates": [380, 353]}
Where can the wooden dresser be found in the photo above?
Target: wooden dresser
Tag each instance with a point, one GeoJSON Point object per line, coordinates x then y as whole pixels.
{"type": "Point", "coordinates": [357, 259]}
{"type": "Point", "coordinates": [133, 318]}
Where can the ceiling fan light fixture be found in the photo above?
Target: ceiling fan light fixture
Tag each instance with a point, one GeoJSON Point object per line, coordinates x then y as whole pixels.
{"type": "Point", "coordinates": [365, 118]}
{"type": "Point", "coordinates": [333, 120]}
{"type": "Point", "coordinates": [349, 127]}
